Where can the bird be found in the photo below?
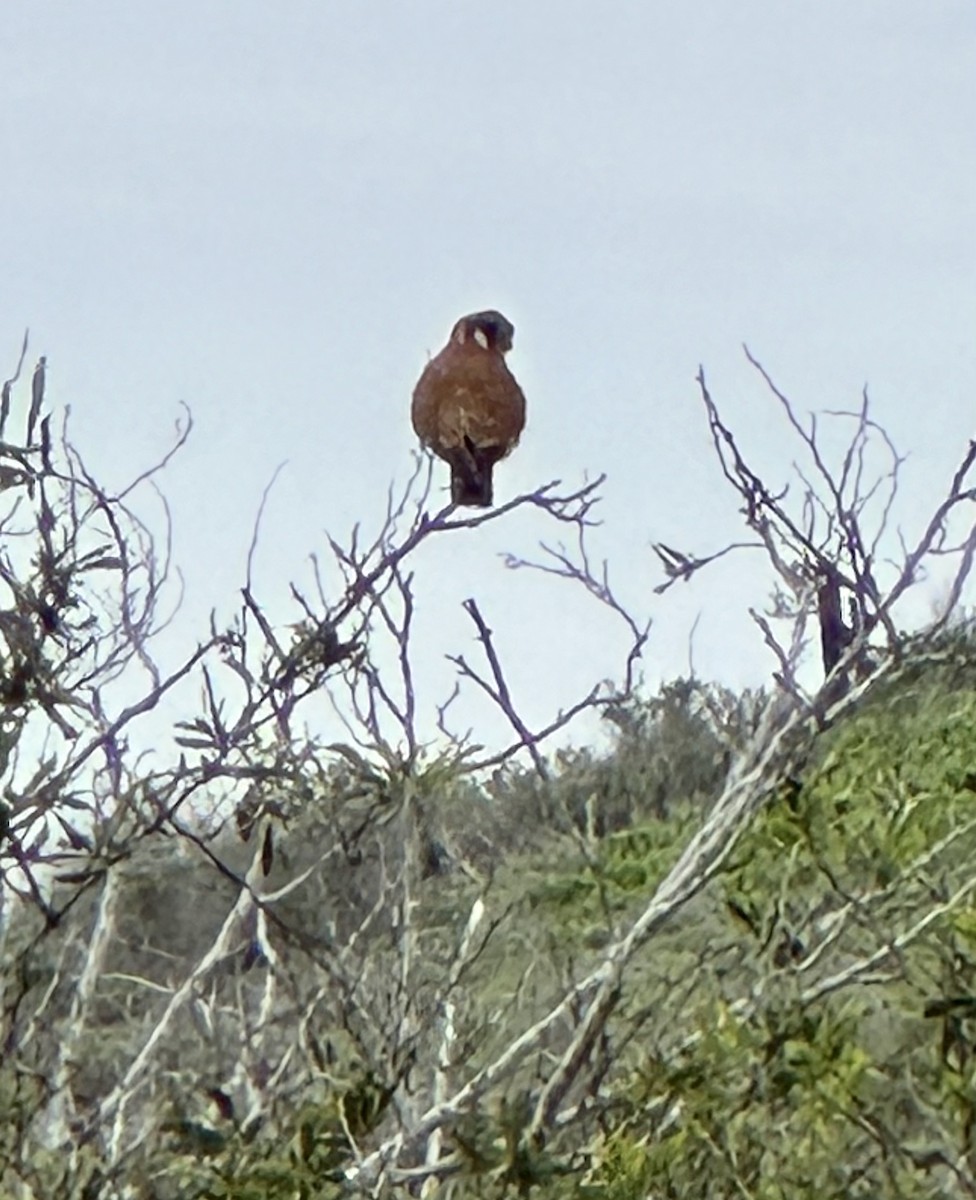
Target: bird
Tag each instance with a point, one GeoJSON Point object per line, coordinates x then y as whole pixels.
{"type": "Point", "coordinates": [467, 407]}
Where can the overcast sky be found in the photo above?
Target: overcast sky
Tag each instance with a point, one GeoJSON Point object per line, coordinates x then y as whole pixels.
{"type": "Point", "coordinates": [274, 213]}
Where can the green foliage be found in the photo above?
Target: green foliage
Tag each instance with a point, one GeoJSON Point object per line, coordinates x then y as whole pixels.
{"type": "Point", "coordinates": [797, 1072]}
{"type": "Point", "coordinates": [51, 1172]}
{"type": "Point", "coordinates": [741, 1060]}
{"type": "Point", "coordinates": [669, 751]}
{"type": "Point", "coordinates": [589, 896]}
{"type": "Point", "coordinates": [304, 1161]}
{"type": "Point", "coordinates": [887, 790]}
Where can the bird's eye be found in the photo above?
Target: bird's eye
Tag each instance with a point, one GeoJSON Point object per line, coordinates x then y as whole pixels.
{"type": "Point", "coordinates": [481, 338]}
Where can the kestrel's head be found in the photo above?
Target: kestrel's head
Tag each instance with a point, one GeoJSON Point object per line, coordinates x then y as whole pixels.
{"type": "Point", "coordinates": [489, 329]}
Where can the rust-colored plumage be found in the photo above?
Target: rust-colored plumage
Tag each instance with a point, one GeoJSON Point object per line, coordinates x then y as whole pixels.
{"type": "Point", "coordinates": [467, 407]}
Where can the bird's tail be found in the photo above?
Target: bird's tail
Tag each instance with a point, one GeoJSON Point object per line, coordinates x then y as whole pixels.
{"type": "Point", "coordinates": [471, 477]}
{"type": "Point", "coordinates": [471, 487]}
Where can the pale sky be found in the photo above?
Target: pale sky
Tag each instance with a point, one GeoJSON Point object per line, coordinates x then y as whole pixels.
{"type": "Point", "coordinates": [274, 213]}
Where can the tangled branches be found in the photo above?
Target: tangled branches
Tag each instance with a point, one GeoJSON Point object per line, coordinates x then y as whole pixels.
{"type": "Point", "coordinates": [827, 540]}
{"type": "Point", "coordinates": [88, 821]}
{"type": "Point", "coordinates": [285, 925]}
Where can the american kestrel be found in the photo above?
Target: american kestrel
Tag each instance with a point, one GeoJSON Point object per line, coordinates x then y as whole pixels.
{"type": "Point", "coordinates": [467, 407]}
